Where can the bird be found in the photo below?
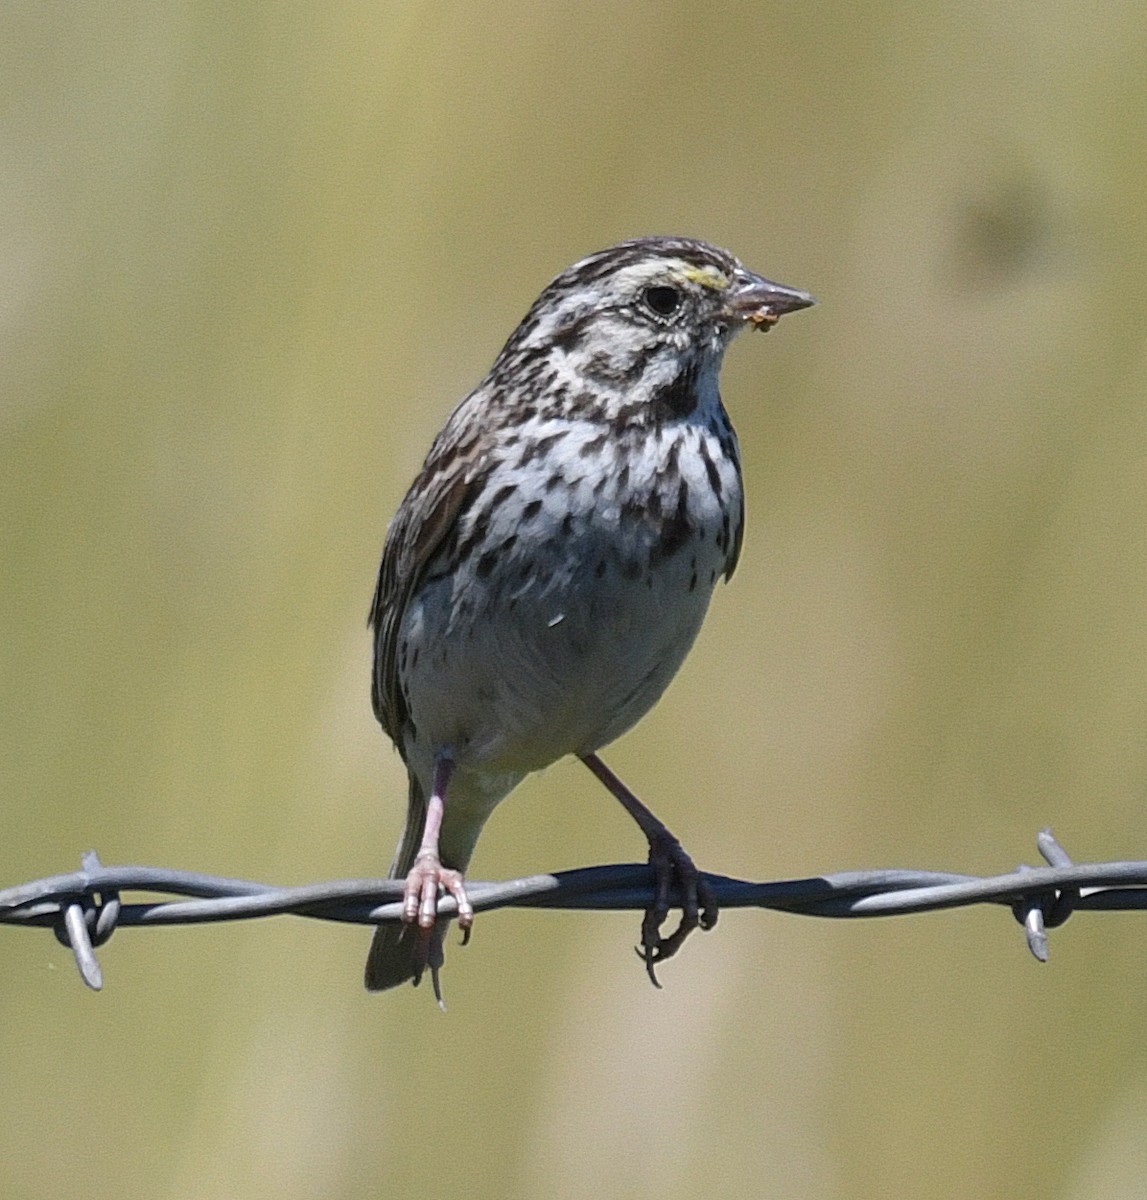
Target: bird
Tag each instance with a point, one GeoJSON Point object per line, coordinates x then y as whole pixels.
{"type": "Point", "coordinates": [550, 566]}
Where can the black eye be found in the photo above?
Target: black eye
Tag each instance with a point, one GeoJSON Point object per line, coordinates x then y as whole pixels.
{"type": "Point", "coordinates": [662, 301]}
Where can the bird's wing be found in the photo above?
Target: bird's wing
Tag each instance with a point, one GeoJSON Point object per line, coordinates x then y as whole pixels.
{"type": "Point", "coordinates": [738, 538]}
{"type": "Point", "coordinates": [425, 520]}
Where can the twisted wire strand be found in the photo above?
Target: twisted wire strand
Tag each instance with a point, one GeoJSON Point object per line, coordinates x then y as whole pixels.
{"type": "Point", "coordinates": [84, 907]}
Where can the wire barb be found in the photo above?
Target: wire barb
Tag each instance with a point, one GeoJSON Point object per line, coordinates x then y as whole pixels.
{"type": "Point", "coordinates": [84, 907]}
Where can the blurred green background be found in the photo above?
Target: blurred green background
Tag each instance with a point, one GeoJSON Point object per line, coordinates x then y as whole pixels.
{"type": "Point", "coordinates": [249, 258]}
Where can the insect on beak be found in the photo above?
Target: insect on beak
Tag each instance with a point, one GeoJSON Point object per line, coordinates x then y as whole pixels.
{"type": "Point", "coordinates": [761, 303]}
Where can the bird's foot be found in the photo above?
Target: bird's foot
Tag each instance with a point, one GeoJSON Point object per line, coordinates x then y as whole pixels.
{"type": "Point", "coordinates": [420, 908]}
{"type": "Point", "coordinates": [672, 867]}
{"type": "Point", "coordinates": [420, 899]}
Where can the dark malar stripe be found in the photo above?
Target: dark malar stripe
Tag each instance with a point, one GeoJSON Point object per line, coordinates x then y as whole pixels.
{"type": "Point", "coordinates": [678, 398]}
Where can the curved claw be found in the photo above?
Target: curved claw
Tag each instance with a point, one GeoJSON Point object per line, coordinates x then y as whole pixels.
{"type": "Point", "coordinates": [673, 868]}
{"type": "Point", "coordinates": [420, 898]}
{"type": "Point", "coordinates": [420, 909]}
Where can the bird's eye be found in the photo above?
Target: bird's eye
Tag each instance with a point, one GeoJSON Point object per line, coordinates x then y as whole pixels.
{"type": "Point", "coordinates": [662, 301]}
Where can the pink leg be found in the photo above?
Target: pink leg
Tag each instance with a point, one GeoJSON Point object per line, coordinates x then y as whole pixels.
{"type": "Point", "coordinates": [671, 866]}
{"type": "Point", "coordinates": [427, 875]}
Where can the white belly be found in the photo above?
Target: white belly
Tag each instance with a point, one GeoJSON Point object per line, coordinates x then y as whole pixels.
{"type": "Point", "coordinates": [566, 671]}
{"type": "Point", "coordinates": [578, 626]}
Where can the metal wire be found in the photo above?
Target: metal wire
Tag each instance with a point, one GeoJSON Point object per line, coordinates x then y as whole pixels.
{"type": "Point", "coordinates": [84, 907]}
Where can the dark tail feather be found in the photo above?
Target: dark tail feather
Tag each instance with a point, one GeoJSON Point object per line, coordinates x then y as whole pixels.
{"type": "Point", "coordinates": [398, 952]}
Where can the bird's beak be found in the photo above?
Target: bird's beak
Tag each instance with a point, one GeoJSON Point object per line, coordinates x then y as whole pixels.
{"type": "Point", "coordinates": [761, 303]}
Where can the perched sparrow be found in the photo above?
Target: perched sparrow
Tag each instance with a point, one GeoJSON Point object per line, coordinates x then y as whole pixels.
{"type": "Point", "coordinates": [549, 568]}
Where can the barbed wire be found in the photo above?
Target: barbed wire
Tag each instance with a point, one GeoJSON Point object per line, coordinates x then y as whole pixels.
{"type": "Point", "coordinates": [84, 907]}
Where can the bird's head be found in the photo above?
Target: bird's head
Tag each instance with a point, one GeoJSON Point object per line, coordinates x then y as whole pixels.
{"type": "Point", "coordinates": [645, 309]}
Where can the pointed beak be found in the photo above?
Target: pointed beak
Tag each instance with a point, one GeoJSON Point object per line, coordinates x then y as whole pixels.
{"type": "Point", "coordinates": [761, 303]}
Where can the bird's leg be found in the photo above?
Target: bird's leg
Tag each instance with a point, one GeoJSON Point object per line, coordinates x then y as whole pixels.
{"type": "Point", "coordinates": [671, 865]}
{"type": "Point", "coordinates": [427, 875]}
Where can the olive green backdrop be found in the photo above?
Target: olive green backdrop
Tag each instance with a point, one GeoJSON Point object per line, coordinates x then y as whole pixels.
{"type": "Point", "coordinates": [250, 255]}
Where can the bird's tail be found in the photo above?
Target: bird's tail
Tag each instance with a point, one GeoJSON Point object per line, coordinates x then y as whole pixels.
{"type": "Point", "coordinates": [397, 952]}
{"type": "Point", "coordinates": [400, 952]}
